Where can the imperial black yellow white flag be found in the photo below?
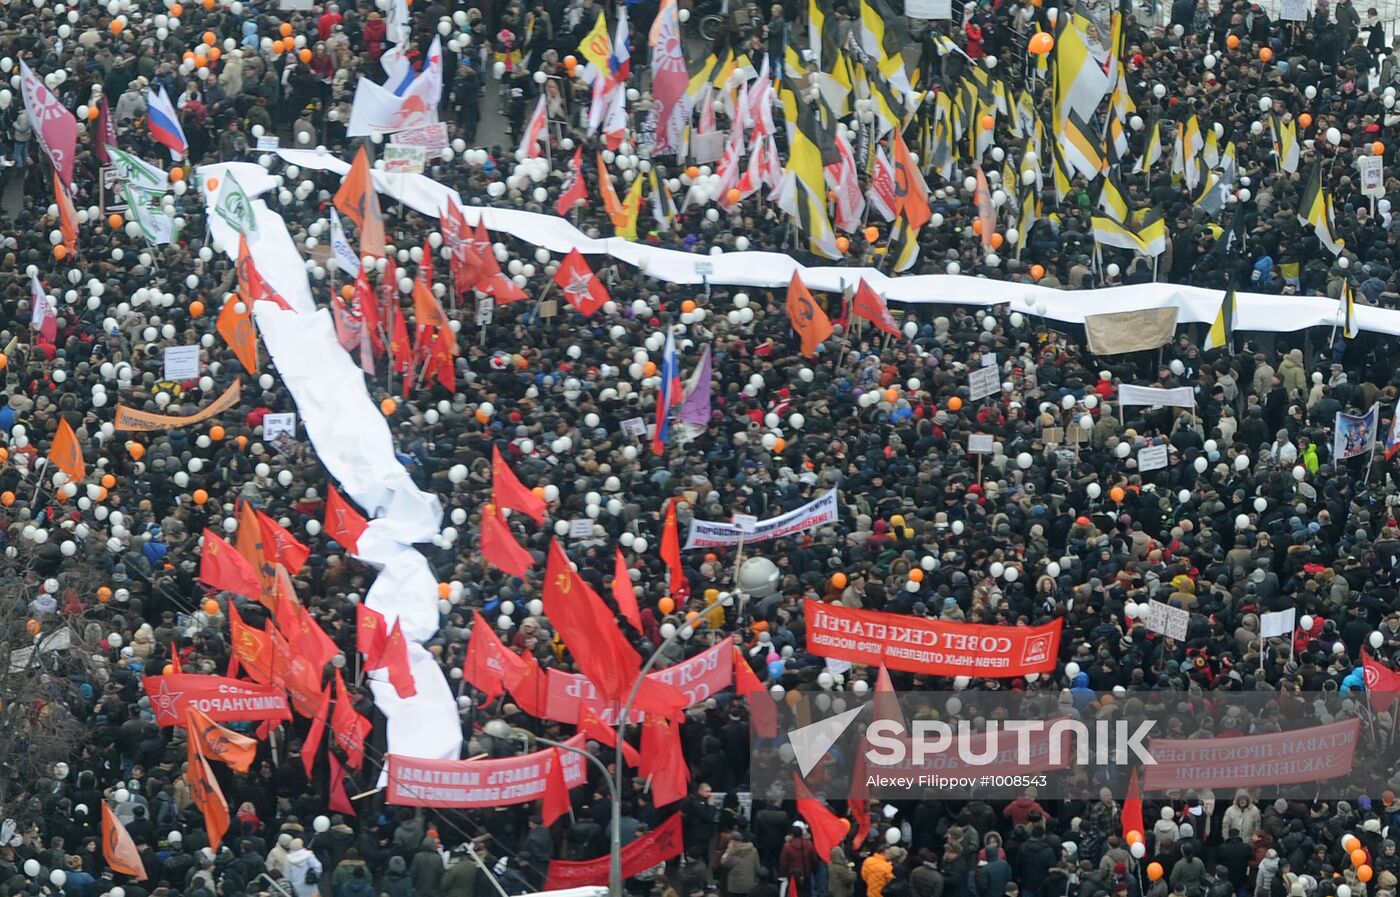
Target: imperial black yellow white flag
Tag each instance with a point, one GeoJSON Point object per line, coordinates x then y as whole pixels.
{"type": "Point", "coordinates": [1222, 331]}
{"type": "Point", "coordinates": [1316, 209]}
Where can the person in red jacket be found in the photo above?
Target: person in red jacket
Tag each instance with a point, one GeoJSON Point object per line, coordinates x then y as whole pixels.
{"type": "Point", "coordinates": [375, 33]}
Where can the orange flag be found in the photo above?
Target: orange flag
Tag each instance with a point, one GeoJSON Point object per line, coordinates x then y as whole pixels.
{"type": "Point", "coordinates": [204, 790]}
{"type": "Point", "coordinates": [117, 847]}
{"type": "Point", "coordinates": [250, 544]}
{"type": "Point", "coordinates": [237, 330]}
{"type": "Point", "coordinates": [427, 311]}
{"type": "Point", "coordinates": [66, 454]}
{"type": "Point", "coordinates": [611, 204]}
{"type": "Point", "coordinates": [67, 216]}
{"type": "Point", "coordinates": [251, 285]}
{"type": "Point", "coordinates": [357, 200]}
{"type": "Point", "coordinates": [807, 317]}
{"type": "Point", "coordinates": [218, 743]}
{"type": "Point", "coordinates": [910, 191]}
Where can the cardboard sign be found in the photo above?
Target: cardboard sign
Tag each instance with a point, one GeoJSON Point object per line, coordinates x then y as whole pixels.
{"type": "Point", "coordinates": [983, 382]}
{"type": "Point", "coordinates": [181, 362]}
{"type": "Point", "coordinates": [549, 308]}
{"type": "Point", "coordinates": [1372, 175]}
{"type": "Point", "coordinates": [981, 444]}
{"type": "Point", "coordinates": [1076, 435]}
{"type": "Point", "coordinates": [1167, 620]}
{"type": "Point", "coordinates": [405, 159]}
{"type": "Point", "coordinates": [269, 143]}
{"type": "Point", "coordinates": [582, 528]}
{"type": "Point", "coordinates": [1154, 457]}
{"type": "Point", "coordinates": [1053, 435]}
{"type": "Point", "coordinates": [276, 424]}
{"type": "Point", "coordinates": [635, 427]}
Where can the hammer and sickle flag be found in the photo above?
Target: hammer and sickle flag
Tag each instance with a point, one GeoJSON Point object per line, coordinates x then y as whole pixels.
{"type": "Point", "coordinates": [807, 317]}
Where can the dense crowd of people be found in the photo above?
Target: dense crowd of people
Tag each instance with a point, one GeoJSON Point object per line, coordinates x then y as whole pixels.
{"type": "Point", "coordinates": [883, 419]}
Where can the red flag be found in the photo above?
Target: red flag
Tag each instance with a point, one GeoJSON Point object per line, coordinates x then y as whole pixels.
{"type": "Point", "coordinates": [491, 281]}
{"type": "Point", "coordinates": [671, 554]}
{"type": "Point", "coordinates": [218, 743]}
{"type": "Point", "coordinates": [581, 286]}
{"type": "Point", "coordinates": [911, 193]}
{"type": "Point", "coordinates": [763, 716]}
{"type": "Point", "coordinates": [117, 847]}
{"type": "Point", "coordinates": [498, 545]}
{"type": "Point", "coordinates": [858, 804]}
{"type": "Point", "coordinates": [885, 700]}
{"type": "Point", "coordinates": [349, 728]}
{"type": "Point", "coordinates": [312, 745]}
{"type": "Point", "coordinates": [1132, 807]}
{"type": "Point", "coordinates": [367, 303]}
{"type": "Point", "coordinates": [593, 727]}
{"type": "Point", "coordinates": [340, 801]}
{"type": "Point", "coordinates": [624, 594]}
{"type": "Point", "coordinates": [297, 624]}
{"type": "Point", "coordinates": [488, 659]}
{"type": "Point", "coordinates": [584, 623]}
{"type": "Point", "coordinates": [508, 492]}
{"type": "Point", "coordinates": [298, 676]}
{"type": "Point", "coordinates": [370, 631]}
{"type": "Point", "coordinates": [828, 829]}
{"type": "Point", "coordinates": [870, 305]}
{"type": "Point", "coordinates": [465, 259]}
{"type": "Point", "coordinates": [251, 647]}
{"type": "Point", "coordinates": [343, 523]}
{"type": "Point", "coordinates": [280, 546]}
{"type": "Point", "coordinates": [205, 792]}
{"type": "Point", "coordinates": [221, 566]}
{"type": "Point", "coordinates": [556, 801]}
{"type": "Point", "coordinates": [526, 683]}
{"type": "Point", "coordinates": [663, 761]}
{"type": "Point", "coordinates": [394, 657]}
{"type": "Point", "coordinates": [575, 189]}
{"type": "Point", "coordinates": [175, 659]}
{"type": "Point", "coordinates": [251, 284]}
{"type": "Point", "coordinates": [1382, 683]}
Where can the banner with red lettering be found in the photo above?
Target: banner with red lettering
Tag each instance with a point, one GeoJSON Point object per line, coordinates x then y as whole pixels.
{"type": "Point", "coordinates": [702, 676]}
{"type": "Point", "coordinates": [924, 645]}
{"type": "Point", "coordinates": [416, 782]}
{"type": "Point", "coordinates": [655, 847]}
{"type": "Point", "coordinates": [218, 697]}
{"type": "Point", "coordinates": [1314, 754]}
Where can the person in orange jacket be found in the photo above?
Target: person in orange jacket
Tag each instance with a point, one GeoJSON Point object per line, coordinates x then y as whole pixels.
{"type": "Point", "coordinates": [877, 871]}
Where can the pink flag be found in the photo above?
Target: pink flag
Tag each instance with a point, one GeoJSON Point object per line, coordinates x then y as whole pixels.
{"type": "Point", "coordinates": [54, 126]}
{"type": "Point", "coordinates": [106, 133]}
{"type": "Point", "coordinates": [669, 80]}
{"type": "Point", "coordinates": [842, 179]}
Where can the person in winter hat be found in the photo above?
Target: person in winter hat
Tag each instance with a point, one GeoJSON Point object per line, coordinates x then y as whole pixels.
{"type": "Point", "coordinates": [303, 870]}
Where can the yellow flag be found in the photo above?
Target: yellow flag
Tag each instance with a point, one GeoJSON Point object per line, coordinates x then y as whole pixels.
{"type": "Point", "coordinates": [596, 46]}
{"type": "Point", "coordinates": [626, 224]}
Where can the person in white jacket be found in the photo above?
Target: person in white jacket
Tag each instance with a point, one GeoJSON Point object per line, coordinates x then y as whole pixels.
{"type": "Point", "coordinates": [303, 870]}
{"type": "Point", "coordinates": [1243, 815]}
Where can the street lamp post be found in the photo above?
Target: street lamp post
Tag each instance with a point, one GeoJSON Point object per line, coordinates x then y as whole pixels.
{"type": "Point", "coordinates": [615, 856]}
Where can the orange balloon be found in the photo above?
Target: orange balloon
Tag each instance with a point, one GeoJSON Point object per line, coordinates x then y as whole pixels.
{"type": "Point", "coordinates": [570, 63]}
{"type": "Point", "coordinates": [843, 245]}
{"type": "Point", "coordinates": [214, 54]}
{"type": "Point", "coordinates": [136, 450]}
{"type": "Point", "coordinates": [242, 443]}
{"type": "Point", "coordinates": [115, 221]}
{"type": "Point", "coordinates": [1350, 843]}
{"type": "Point", "coordinates": [109, 481]}
{"type": "Point", "coordinates": [1037, 272]}
{"type": "Point", "coordinates": [102, 493]}
{"type": "Point", "coordinates": [4, 452]}
{"type": "Point", "coordinates": [104, 594]}
{"type": "Point", "coordinates": [688, 305]}
{"type": "Point", "coordinates": [210, 606]}
{"type": "Point", "coordinates": [196, 309]}
{"type": "Point", "coordinates": [1117, 494]}
{"type": "Point", "coordinates": [304, 55]}
{"type": "Point", "coordinates": [176, 10]}
{"type": "Point", "coordinates": [693, 172]}
{"type": "Point", "coordinates": [117, 26]}
{"type": "Point", "coordinates": [955, 404]}
{"type": "Point", "coordinates": [4, 363]}
{"type": "Point", "coordinates": [444, 589]}
{"type": "Point", "coordinates": [1265, 54]}
{"type": "Point", "coordinates": [997, 240]}
{"type": "Point", "coordinates": [1041, 43]}
{"type": "Point", "coordinates": [539, 492]}
{"type": "Point", "coordinates": [278, 48]}
{"type": "Point", "coordinates": [210, 37]}
{"type": "Point", "coordinates": [839, 580]}
{"type": "Point", "coordinates": [872, 234]}
{"type": "Point", "coordinates": [285, 29]}
{"type": "Point", "coordinates": [93, 112]}
{"type": "Point", "coordinates": [1233, 42]}
{"type": "Point", "coordinates": [649, 369]}
{"type": "Point", "coordinates": [388, 406]}
{"type": "Point", "coordinates": [60, 252]}
{"type": "Point", "coordinates": [1154, 870]}
{"type": "Point", "coordinates": [891, 396]}
{"type": "Point", "coordinates": [32, 626]}
{"type": "Point", "coordinates": [208, 4]}
{"type": "Point", "coordinates": [200, 496]}
{"type": "Point", "coordinates": [1378, 148]}
{"type": "Point", "coordinates": [779, 445]}
{"type": "Point", "coordinates": [988, 122]}
{"type": "Point", "coordinates": [168, 669]}
{"type": "Point", "coordinates": [216, 433]}
{"type": "Point", "coordinates": [666, 605]}
{"type": "Point", "coordinates": [1305, 120]}
{"type": "Point", "coordinates": [977, 226]}
{"type": "Point", "coordinates": [1134, 836]}
{"type": "Point", "coordinates": [1364, 873]}
{"type": "Point", "coordinates": [916, 575]}
{"type": "Point", "coordinates": [177, 174]}
{"type": "Point", "coordinates": [7, 499]}
{"type": "Point", "coordinates": [1358, 858]}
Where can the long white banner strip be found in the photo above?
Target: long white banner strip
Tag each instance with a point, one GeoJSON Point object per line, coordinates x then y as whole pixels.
{"type": "Point", "coordinates": [1254, 311]}
{"type": "Point", "coordinates": [710, 534]}
{"type": "Point", "coordinates": [1180, 397]}
{"type": "Point", "coordinates": [353, 441]}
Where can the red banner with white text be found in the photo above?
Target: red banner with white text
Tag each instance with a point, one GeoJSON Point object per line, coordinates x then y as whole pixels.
{"type": "Point", "coordinates": [218, 697]}
{"type": "Point", "coordinates": [1314, 754]}
{"type": "Point", "coordinates": [652, 849]}
{"type": "Point", "coordinates": [700, 677]}
{"type": "Point", "coordinates": [935, 647]}
{"type": "Point", "coordinates": [416, 782]}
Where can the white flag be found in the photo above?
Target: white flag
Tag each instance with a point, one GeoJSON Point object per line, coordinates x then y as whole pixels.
{"type": "Point", "coordinates": [342, 253]}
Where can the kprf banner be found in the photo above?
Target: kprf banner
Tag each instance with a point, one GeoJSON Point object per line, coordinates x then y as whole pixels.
{"type": "Point", "coordinates": [936, 647]}
{"type": "Point", "coordinates": [702, 676]}
{"type": "Point", "coordinates": [218, 697]}
{"type": "Point", "coordinates": [650, 850]}
{"type": "Point", "coordinates": [713, 534]}
{"type": "Point", "coordinates": [1315, 754]}
{"type": "Point", "coordinates": [416, 782]}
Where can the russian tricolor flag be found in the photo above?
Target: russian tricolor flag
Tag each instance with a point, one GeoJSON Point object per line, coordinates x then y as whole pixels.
{"type": "Point", "coordinates": [165, 124]}
{"type": "Point", "coordinates": [671, 395]}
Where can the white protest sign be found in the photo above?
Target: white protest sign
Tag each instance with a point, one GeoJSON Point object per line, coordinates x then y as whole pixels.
{"type": "Point", "coordinates": [983, 382]}
{"type": "Point", "coordinates": [275, 425]}
{"type": "Point", "coordinates": [485, 310]}
{"type": "Point", "coordinates": [269, 143]}
{"type": "Point", "coordinates": [582, 528]}
{"type": "Point", "coordinates": [405, 159]}
{"type": "Point", "coordinates": [181, 362]}
{"type": "Point", "coordinates": [981, 444]}
{"type": "Point", "coordinates": [1278, 623]}
{"type": "Point", "coordinates": [1167, 620]}
{"type": "Point", "coordinates": [432, 139]}
{"type": "Point", "coordinates": [635, 427]}
{"type": "Point", "coordinates": [746, 523]}
{"type": "Point", "coordinates": [1371, 171]}
{"type": "Point", "coordinates": [1153, 457]}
